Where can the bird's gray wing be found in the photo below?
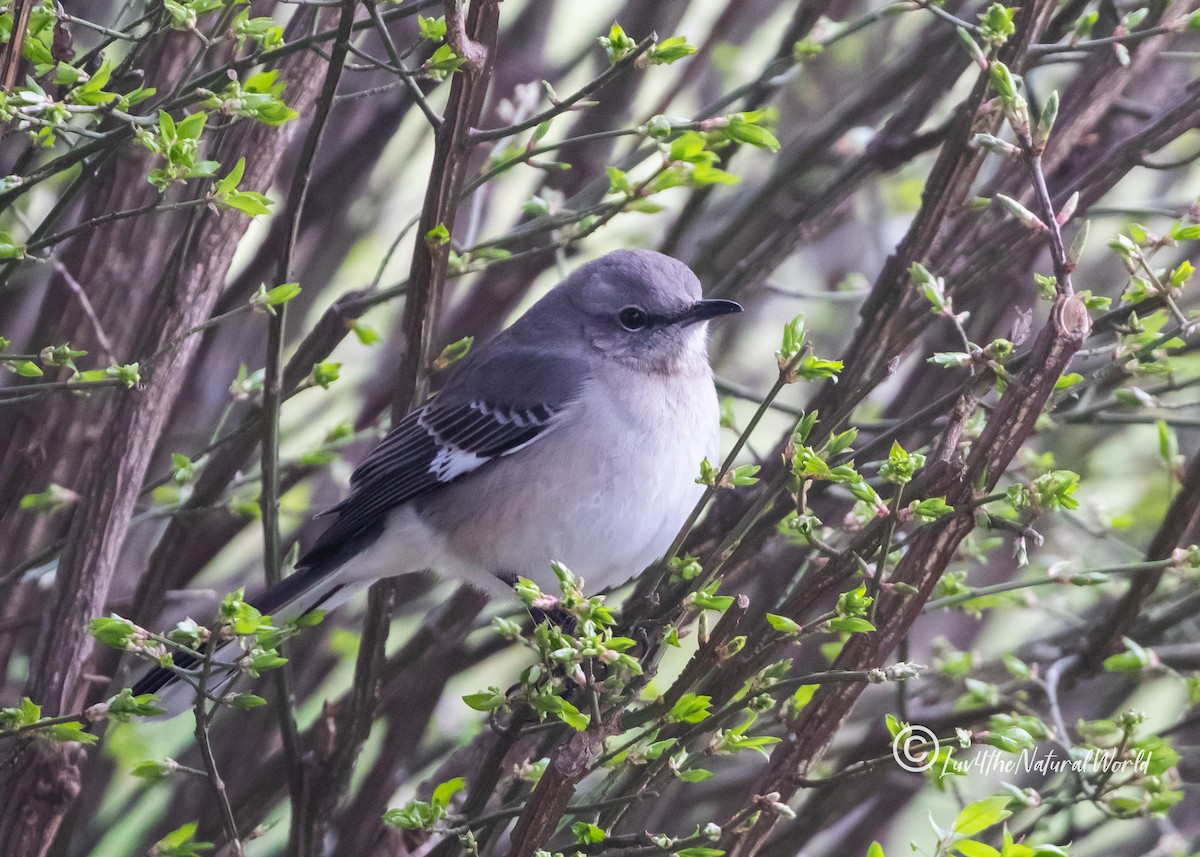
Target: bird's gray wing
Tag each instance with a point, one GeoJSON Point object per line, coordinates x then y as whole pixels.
{"type": "Point", "coordinates": [501, 400]}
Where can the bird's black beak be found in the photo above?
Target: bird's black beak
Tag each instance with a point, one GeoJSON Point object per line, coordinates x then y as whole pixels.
{"type": "Point", "coordinates": [707, 309]}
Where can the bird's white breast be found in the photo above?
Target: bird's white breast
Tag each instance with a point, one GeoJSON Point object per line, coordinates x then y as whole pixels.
{"type": "Point", "coordinates": [604, 492]}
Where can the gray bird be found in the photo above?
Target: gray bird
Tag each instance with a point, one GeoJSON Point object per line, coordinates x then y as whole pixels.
{"type": "Point", "coordinates": [576, 435]}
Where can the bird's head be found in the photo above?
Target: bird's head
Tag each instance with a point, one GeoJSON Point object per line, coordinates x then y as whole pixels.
{"type": "Point", "coordinates": [644, 310]}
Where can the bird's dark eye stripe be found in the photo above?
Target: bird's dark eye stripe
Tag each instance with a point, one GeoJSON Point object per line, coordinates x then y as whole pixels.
{"type": "Point", "coordinates": [636, 318]}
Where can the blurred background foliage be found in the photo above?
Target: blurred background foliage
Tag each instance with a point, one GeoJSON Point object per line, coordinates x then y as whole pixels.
{"type": "Point", "coordinates": [801, 156]}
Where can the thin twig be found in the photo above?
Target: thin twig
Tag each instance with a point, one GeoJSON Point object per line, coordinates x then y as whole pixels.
{"type": "Point", "coordinates": [406, 76]}
{"type": "Point", "coordinates": [571, 100]}
{"type": "Point", "coordinates": [203, 719]}
{"type": "Point", "coordinates": [85, 304]}
{"type": "Point", "coordinates": [273, 396]}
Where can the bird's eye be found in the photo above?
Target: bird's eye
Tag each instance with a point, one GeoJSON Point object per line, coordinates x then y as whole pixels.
{"type": "Point", "coordinates": [633, 318]}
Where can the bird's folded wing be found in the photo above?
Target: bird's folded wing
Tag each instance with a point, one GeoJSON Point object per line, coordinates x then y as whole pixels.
{"type": "Point", "coordinates": [468, 425]}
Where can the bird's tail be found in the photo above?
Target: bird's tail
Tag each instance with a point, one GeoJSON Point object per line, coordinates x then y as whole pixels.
{"type": "Point", "coordinates": [316, 587]}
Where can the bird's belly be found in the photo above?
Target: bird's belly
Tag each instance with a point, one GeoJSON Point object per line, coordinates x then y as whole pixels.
{"type": "Point", "coordinates": [604, 506]}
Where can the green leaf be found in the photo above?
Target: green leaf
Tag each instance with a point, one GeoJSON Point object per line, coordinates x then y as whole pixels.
{"type": "Point", "coordinates": [950, 359]}
{"type": "Point", "coordinates": [1168, 443]}
{"type": "Point", "coordinates": [783, 624]}
{"type": "Point", "coordinates": [245, 701]}
{"type": "Point", "coordinates": [669, 50]}
{"type": "Point", "coordinates": [1084, 24]}
{"type": "Point", "coordinates": [1002, 82]}
{"type": "Point", "coordinates": [707, 599]}
{"type": "Point", "coordinates": [803, 696]}
{"type": "Point", "coordinates": [1190, 232]}
{"type": "Point", "coordinates": [366, 334]}
{"type": "Point", "coordinates": [851, 625]}
{"type": "Point", "coordinates": [1133, 660]}
{"type": "Point", "coordinates": [586, 833]}
{"type": "Point", "coordinates": [813, 368]}
{"type": "Point", "coordinates": [71, 731]}
{"type": "Point", "coordinates": [616, 44]}
{"type": "Point", "coordinates": [55, 497]}
{"type": "Point", "coordinates": [932, 509]}
{"type": "Point", "coordinates": [743, 475]}
{"type": "Point", "coordinates": [26, 369]}
{"type": "Point", "coordinates": [793, 340]}
{"type": "Point", "coordinates": [191, 126]}
{"type": "Point", "coordinates": [1182, 274]}
{"type": "Point", "coordinates": [244, 618]}
{"type": "Point", "coordinates": [247, 202]}
{"type": "Point", "coordinates": [113, 631]}
{"type": "Point", "coordinates": [258, 98]}
{"type": "Point", "coordinates": [443, 62]}
{"type": "Point", "coordinates": [127, 374]}
{"type": "Point", "coordinates": [996, 24]}
{"type": "Point", "coordinates": [267, 660]}
{"type": "Point", "coordinates": [431, 29]}
{"type": "Point", "coordinates": [1067, 381]}
{"type": "Point", "coordinates": [60, 355]}
{"type": "Point", "coordinates": [1046, 120]}
{"type": "Point", "coordinates": [806, 49]}
{"type": "Point", "coordinates": [151, 770]}
{"type": "Point", "coordinates": [744, 131]}
{"type": "Point", "coordinates": [971, 848]}
{"type": "Point", "coordinates": [181, 842]}
{"type": "Point", "coordinates": [691, 708]}
{"type": "Point", "coordinates": [266, 32]}
{"type": "Point", "coordinates": [453, 352]}
{"type": "Point", "coordinates": [324, 374]}
{"type": "Point", "coordinates": [981, 815]}
{"type": "Point", "coordinates": [437, 236]}
{"type": "Point", "coordinates": [230, 182]}
{"type": "Point", "coordinates": [10, 248]}
{"type": "Point", "coordinates": [572, 716]}
{"type": "Point", "coordinates": [125, 706]}
{"type": "Point", "coordinates": [447, 790]}
{"type": "Point", "coordinates": [311, 619]}
{"type": "Point", "coordinates": [855, 602]}
{"type": "Point", "coordinates": [282, 294]}
{"type": "Point", "coordinates": [901, 465]}
{"type": "Point", "coordinates": [698, 852]}
{"type": "Point", "coordinates": [488, 700]}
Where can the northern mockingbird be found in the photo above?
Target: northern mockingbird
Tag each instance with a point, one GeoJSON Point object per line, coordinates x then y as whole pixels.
{"type": "Point", "coordinates": [575, 435]}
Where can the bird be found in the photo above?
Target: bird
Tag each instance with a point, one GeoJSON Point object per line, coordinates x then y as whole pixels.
{"type": "Point", "coordinates": [574, 436]}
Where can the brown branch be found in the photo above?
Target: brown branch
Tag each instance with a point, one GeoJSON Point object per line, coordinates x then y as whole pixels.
{"type": "Point", "coordinates": [300, 839]}
{"type": "Point", "coordinates": [112, 482]}
{"type": "Point", "coordinates": [203, 714]}
{"type": "Point", "coordinates": [10, 60]}
{"type": "Point", "coordinates": [325, 782]}
{"type": "Point", "coordinates": [569, 764]}
{"type": "Point", "coordinates": [446, 177]}
{"type": "Point", "coordinates": [928, 553]}
{"type": "Point", "coordinates": [427, 278]}
{"type": "Point", "coordinates": [701, 664]}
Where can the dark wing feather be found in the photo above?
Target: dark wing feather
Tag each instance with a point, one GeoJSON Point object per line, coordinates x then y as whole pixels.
{"type": "Point", "coordinates": [502, 397]}
{"type": "Point", "coordinates": [429, 448]}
